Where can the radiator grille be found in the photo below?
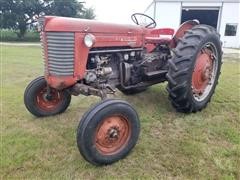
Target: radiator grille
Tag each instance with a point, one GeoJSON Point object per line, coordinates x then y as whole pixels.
{"type": "Point", "coordinates": [43, 44]}
{"type": "Point", "coordinates": [60, 53]}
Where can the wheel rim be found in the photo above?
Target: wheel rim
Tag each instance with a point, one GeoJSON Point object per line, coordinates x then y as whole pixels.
{"type": "Point", "coordinates": [48, 103]}
{"type": "Point", "coordinates": [204, 73]}
{"type": "Point", "coordinates": [112, 134]}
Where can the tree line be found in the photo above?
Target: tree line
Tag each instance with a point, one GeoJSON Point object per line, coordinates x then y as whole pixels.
{"type": "Point", "coordinates": [18, 14]}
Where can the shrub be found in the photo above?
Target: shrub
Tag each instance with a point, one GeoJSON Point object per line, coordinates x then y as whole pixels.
{"type": "Point", "coordinates": [9, 36]}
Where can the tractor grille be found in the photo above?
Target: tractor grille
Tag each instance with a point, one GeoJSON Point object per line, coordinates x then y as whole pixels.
{"type": "Point", "coordinates": [60, 53]}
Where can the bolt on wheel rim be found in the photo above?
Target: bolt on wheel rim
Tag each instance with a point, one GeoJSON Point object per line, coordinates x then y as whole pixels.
{"type": "Point", "coordinates": [112, 134]}
{"type": "Point", "coordinates": [204, 73]}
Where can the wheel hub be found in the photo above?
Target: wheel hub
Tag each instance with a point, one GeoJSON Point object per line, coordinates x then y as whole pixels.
{"type": "Point", "coordinates": [206, 73]}
{"type": "Point", "coordinates": [112, 134]}
{"type": "Point", "coordinates": [48, 97]}
{"type": "Point", "coordinates": [202, 73]}
{"type": "Point", "coordinates": [48, 102]}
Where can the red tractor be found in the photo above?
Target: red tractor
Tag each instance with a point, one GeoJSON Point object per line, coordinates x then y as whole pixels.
{"type": "Point", "coordinates": [86, 57]}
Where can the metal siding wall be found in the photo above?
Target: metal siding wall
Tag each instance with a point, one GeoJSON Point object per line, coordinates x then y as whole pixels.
{"type": "Point", "coordinates": [197, 5]}
{"type": "Point", "coordinates": [230, 14]}
{"type": "Point", "coordinates": [168, 14]}
{"type": "Point", "coordinates": [150, 10]}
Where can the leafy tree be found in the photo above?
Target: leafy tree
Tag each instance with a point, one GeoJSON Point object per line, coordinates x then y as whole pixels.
{"type": "Point", "coordinates": [67, 8]}
{"type": "Point", "coordinates": [18, 14]}
{"type": "Point", "coordinates": [89, 13]}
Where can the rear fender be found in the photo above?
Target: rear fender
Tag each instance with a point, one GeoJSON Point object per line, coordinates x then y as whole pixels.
{"type": "Point", "coordinates": [182, 30]}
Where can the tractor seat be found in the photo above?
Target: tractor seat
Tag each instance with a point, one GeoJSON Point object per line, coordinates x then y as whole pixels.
{"type": "Point", "coordinates": [158, 36]}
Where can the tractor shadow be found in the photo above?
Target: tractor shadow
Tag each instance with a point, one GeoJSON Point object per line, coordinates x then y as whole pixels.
{"type": "Point", "coordinates": [155, 98]}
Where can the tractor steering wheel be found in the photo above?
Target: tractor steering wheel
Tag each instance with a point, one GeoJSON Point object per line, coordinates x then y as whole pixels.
{"type": "Point", "coordinates": [148, 22]}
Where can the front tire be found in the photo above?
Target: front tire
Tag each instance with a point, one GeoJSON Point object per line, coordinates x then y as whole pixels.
{"type": "Point", "coordinates": [39, 104]}
{"type": "Point", "coordinates": [108, 132]}
{"type": "Point", "coordinates": [194, 69]}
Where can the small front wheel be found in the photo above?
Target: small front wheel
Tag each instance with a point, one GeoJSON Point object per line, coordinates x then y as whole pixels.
{"type": "Point", "coordinates": [41, 103]}
{"type": "Point", "coordinates": [108, 132]}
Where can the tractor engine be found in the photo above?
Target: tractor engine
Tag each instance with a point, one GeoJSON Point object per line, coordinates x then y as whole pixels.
{"type": "Point", "coordinates": [126, 68]}
{"type": "Point", "coordinates": [91, 58]}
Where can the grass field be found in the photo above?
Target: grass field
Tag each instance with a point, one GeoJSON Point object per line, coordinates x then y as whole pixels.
{"type": "Point", "coordinates": [205, 145]}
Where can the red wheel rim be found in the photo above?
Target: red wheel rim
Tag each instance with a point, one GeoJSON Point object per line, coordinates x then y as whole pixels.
{"type": "Point", "coordinates": [112, 134]}
{"type": "Point", "coordinates": [204, 72]}
{"type": "Point", "coordinates": [48, 103]}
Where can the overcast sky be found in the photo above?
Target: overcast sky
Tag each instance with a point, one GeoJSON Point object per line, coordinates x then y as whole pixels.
{"type": "Point", "coordinates": [118, 11]}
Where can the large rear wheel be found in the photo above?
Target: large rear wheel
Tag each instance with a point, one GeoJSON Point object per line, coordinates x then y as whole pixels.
{"type": "Point", "coordinates": [42, 103]}
{"type": "Point", "coordinates": [194, 69]}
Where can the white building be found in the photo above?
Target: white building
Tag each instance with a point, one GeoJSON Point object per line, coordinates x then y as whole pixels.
{"type": "Point", "coordinates": [224, 15]}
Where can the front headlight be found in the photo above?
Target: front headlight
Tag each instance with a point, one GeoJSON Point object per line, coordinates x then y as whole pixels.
{"type": "Point", "coordinates": [89, 40]}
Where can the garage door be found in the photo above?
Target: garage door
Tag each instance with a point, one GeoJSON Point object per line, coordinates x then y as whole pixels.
{"type": "Point", "coordinates": [205, 16]}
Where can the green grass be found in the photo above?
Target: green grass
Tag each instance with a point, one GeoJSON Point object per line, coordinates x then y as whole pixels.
{"type": "Point", "coordinates": [11, 36]}
{"type": "Point", "coordinates": [204, 145]}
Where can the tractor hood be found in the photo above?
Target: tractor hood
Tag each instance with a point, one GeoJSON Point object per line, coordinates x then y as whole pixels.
{"type": "Point", "coordinates": [64, 24]}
